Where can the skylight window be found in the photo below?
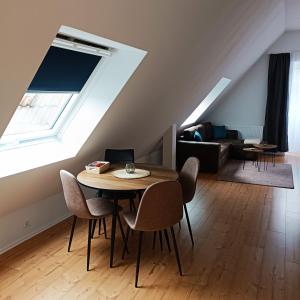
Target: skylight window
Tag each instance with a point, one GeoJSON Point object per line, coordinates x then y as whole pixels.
{"type": "Point", "coordinates": [53, 90]}
{"type": "Point", "coordinates": [37, 112]}
{"type": "Point", "coordinates": [207, 101]}
{"type": "Point", "coordinates": [76, 83]}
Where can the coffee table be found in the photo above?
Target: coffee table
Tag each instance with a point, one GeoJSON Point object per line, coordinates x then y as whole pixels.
{"type": "Point", "coordinates": [258, 153]}
{"type": "Point", "coordinates": [267, 148]}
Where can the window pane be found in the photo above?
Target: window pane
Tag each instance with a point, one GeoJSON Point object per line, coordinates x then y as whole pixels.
{"type": "Point", "coordinates": [37, 112]}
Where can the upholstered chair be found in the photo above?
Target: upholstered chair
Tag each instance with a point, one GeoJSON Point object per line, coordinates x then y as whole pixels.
{"type": "Point", "coordinates": [188, 180]}
{"type": "Point", "coordinates": [90, 209]}
{"type": "Point", "coordinates": [160, 208]}
{"type": "Point", "coordinates": [119, 156]}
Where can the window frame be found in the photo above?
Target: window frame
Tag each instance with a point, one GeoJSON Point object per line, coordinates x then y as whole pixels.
{"type": "Point", "coordinates": [65, 116]}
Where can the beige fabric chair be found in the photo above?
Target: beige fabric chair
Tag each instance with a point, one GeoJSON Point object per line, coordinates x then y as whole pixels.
{"type": "Point", "coordinates": [160, 208]}
{"type": "Point", "coordinates": [188, 180]}
{"type": "Point", "coordinates": [91, 209]}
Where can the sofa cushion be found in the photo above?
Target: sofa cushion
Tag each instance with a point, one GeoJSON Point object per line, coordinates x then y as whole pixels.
{"type": "Point", "coordinates": [197, 136]}
{"type": "Point", "coordinates": [208, 128]}
{"type": "Point", "coordinates": [232, 134]}
{"type": "Point", "coordinates": [189, 133]}
{"type": "Point", "coordinates": [201, 130]}
{"type": "Point", "coordinates": [219, 132]}
{"type": "Point", "coordinates": [188, 136]}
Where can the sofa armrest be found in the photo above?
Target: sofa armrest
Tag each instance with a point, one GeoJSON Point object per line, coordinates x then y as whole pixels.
{"type": "Point", "coordinates": [206, 152]}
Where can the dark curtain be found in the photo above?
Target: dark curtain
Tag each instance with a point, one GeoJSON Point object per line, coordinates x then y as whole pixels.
{"type": "Point", "coordinates": [276, 119]}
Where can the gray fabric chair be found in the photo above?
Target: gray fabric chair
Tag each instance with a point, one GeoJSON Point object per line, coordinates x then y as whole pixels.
{"type": "Point", "coordinates": [160, 208]}
{"type": "Point", "coordinates": [90, 209]}
{"type": "Point", "coordinates": [188, 180]}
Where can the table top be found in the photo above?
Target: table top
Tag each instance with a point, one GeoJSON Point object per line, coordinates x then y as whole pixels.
{"type": "Point", "coordinates": [253, 150]}
{"type": "Point", "coordinates": [107, 181]}
{"type": "Point", "coordinates": [265, 146]}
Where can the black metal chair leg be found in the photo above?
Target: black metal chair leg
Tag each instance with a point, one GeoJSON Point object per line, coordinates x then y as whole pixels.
{"type": "Point", "coordinates": [167, 239]}
{"type": "Point", "coordinates": [160, 241]}
{"type": "Point", "coordinates": [188, 222]}
{"type": "Point", "coordinates": [138, 258]}
{"type": "Point", "coordinates": [132, 208]}
{"type": "Point", "coordinates": [176, 251]}
{"type": "Point", "coordinates": [122, 232]}
{"type": "Point", "coordinates": [126, 239]}
{"type": "Point", "coordinates": [154, 239]}
{"type": "Point", "coordinates": [113, 233]}
{"type": "Point", "coordinates": [99, 227]}
{"type": "Point", "coordinates": [104, 227]}
{"type": "Point", "coordinates": [90, 232]}
{"type": "Point", "coordinates": [94, 227]}
{"type": "Point", "coordinates": [179, 224]}
{"type": "Point", "coordinates": [72, 233]}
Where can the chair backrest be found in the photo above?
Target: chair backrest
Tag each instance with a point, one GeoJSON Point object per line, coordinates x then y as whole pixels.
{"type": "Point", "coordinates": [188, 178]}
{"type": "Point", "coordinates": [74, 197]}
{"type": "Point", "coordinates": [117, 156]}
{"type": "Point", "coordinates": [160, 207]}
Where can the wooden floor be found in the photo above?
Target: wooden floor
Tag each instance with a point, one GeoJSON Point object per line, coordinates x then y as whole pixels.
{"type": "Point", "coordinates": [247, 246]}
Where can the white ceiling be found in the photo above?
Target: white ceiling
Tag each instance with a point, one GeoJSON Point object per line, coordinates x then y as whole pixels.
{"type": "Point", "coordinates": [191, 44]}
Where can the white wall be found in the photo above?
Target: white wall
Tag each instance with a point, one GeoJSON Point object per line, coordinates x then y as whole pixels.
{"type": "Point", "coordinates": [244, 105]}
{"type": "Point", "coordinates": [28, 221]}
{"type": "Point", "coordinates": [23, 223]}
{"type": "Point", "coordinates": [288, 42]}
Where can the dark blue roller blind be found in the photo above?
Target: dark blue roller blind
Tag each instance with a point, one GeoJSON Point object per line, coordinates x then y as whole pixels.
{"type": "Point", "coordinates": [63, 70]}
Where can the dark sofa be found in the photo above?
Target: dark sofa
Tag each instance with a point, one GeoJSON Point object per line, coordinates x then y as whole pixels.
{"type": "Point", "coordinates": [212, 152]}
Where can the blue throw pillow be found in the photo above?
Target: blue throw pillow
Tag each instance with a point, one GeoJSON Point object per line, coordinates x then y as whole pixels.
{"type": "Point", "coordinates": [197, 136]}
{"type": "Point", "coordinates": [219, 132]}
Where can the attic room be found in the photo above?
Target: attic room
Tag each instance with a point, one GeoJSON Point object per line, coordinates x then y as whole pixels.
{"type": "Point", "coordinates": [150, 149]}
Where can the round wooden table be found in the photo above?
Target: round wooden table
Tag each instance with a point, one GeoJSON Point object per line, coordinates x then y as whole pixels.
{"type": "Point", "coordinates": [107, 181]}
{"type": "Point", "coordinates": [267, 148]}
{"type": "Point", "coordinates": [257, 161]}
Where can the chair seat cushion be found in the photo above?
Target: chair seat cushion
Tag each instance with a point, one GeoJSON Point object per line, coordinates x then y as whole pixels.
{"type": "Point", "coordinates": [100, 207]}
{"type": "Point", "coordinates": [130, 218]}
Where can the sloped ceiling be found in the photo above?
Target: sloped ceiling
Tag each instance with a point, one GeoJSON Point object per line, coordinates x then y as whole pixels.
{"type": "Point", "coordinates": [292, 15]}
{"type": "Point", "coordinates": [191, 44]}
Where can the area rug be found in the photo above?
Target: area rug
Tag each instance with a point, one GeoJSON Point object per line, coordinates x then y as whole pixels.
{"type": "Point", "coordinates": [279, 176]}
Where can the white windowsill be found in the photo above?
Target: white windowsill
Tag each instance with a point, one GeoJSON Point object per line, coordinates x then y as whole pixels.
{"type": "Point", "coordinates": [25, 158]}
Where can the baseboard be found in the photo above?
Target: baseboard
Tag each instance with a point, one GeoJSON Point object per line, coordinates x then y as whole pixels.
{"type": "Point", "coordinates": [33, 233]}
